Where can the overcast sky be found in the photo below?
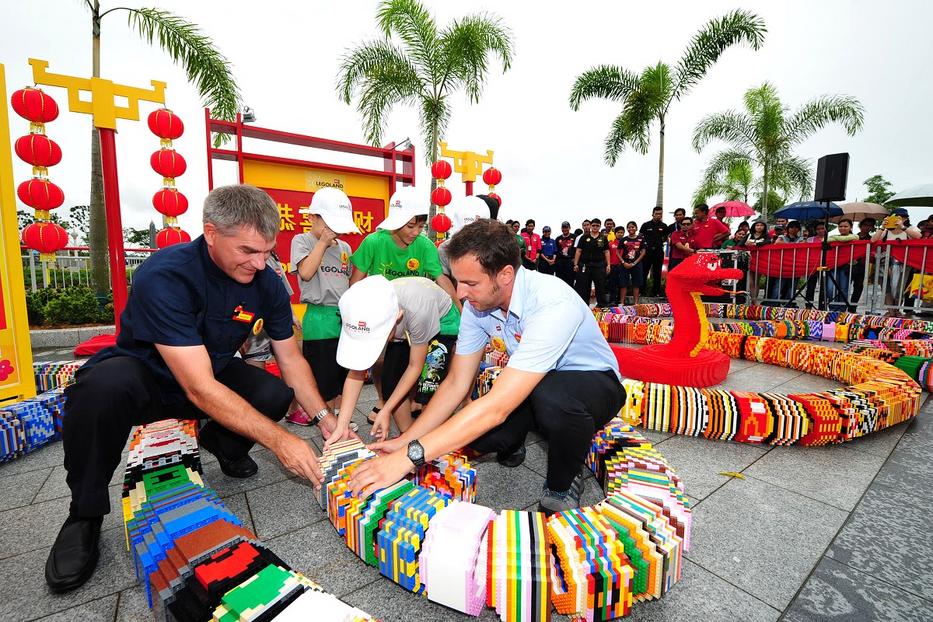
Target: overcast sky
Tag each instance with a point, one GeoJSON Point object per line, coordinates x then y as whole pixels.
{"type": "Point", "coordinates": [285, 56]}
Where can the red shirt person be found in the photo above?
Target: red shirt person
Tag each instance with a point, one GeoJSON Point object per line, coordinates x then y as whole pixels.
{"type": "Point", "coordinates": [681, 241]}
{"type": "Point", "coordinates": [707, 232]}
{"type": "Point", "coordinates": [532, 245]}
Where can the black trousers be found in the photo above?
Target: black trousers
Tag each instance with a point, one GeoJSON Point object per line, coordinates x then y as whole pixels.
{"type": "Point", "coordinates": [564, 270]}
{"type": "Point", "coordinates": [654, 262]}
{"type": "Point", "coordinates": [106, 402]}
{"type": "Point", "coordinates": [567, 407]}
{"type": "Point", "coordinates": [592, 274]}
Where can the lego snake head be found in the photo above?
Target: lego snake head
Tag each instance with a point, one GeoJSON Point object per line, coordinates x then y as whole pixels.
{"type": "Point", "coordinates": [701, 273]}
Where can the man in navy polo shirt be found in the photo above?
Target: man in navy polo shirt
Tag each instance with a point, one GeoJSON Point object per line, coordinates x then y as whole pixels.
{"type": "Point", "coordinates": [190, 309]}
{"type": "Point", "coordinates": [561, 376]}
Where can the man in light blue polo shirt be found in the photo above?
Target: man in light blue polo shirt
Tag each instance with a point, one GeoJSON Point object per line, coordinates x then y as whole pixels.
{"type": "Point", "coordinates": [561, 377]}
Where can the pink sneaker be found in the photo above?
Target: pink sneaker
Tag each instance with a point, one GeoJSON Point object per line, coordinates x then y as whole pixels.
{"type": "Point", "coordinates": [299, 417]}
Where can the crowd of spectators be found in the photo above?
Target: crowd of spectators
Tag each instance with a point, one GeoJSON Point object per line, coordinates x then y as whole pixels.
{"type": "Point", "coordinates": [623, 263]}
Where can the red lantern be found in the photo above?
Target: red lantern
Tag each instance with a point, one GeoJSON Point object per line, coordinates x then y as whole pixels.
{"type": "Point", "coordinates": [495, 196]}
{"type": "Point", "coordinates": [34, 105]}
{"type": "Point", "coordinates": [441, 196]}
{"type": "Point", "coordinates": [171, 235]}
{"type": "Point", "coordinates": [170, 202]}
{"type": "Point", "coordinates": [45, 237]}
{"type": "Point", "coordinates": [38, 150]}
{"type": "Point", "coordinates": [166, 124]}
{"type": "Point", "coordinates": [168, 163]}
{"type": "Point", "coordinates": [40, 194]}
{"type": "Point", "coordinates": [441, 169]}
{"type": "Point", "coordinates": [441, 223]}
{"type": "Point", "coordinates": [492, 176]}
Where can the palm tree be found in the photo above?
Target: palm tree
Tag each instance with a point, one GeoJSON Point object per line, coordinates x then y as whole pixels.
{"type": "Point", "coordinates": [647, 97]}
{"type": "Point", "coordinates": [424, 69]}
{"type": "Point", "coordinates": [765, 134]}
{"type": "Point", "coordinates": [206, 67]}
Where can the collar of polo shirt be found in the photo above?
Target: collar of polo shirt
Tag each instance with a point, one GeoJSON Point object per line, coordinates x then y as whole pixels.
{"type": "Point", "coordinates": [516, 302]}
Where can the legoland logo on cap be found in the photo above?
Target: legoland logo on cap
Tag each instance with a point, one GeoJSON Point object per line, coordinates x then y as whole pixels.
{"type": "Point", "coordinates": [368, 312]}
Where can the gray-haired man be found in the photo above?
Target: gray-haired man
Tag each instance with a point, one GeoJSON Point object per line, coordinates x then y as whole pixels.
{"type": "Point", "coordinates": [191, 307]}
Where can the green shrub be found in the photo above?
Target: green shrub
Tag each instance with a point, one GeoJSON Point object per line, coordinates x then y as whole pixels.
{"type": "Point", "coordinates": [36, 302]}
{"type": "Point", "coordinates": [75, 305]}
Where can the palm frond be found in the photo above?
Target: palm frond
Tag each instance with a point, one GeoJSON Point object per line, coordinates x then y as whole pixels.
{"type": "Point", "coordinates": [415, 26]}
{"type": "Point", "coordinates": [731, 127]}
{"type": "Point", "coordinates": [711, 41]}
{"type": "Point", "coordinates": [205, 66]}
{"type": "Point", "coordinates": [434, 117]}
{"type": "Point", "coordinates": [384, 76]}
{"type": "Point", "coordinates": [767, 114]}
{"type": "Point", "coordinates": [606, 81]}
{"type": "Point", "coordinates": [656, 83]}
{"type": "Point", "coordinates": [791, 173]}
{"type": "Point", "coordinates": [465, 46]}
{"type": "Point", "coordinates": [722, 163]}
{"type": "Point", "coordinates": [814, 115]}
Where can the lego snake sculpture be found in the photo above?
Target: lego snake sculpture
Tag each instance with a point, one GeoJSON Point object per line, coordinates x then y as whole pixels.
{"type": "Point", "coordinates": [684, 360]}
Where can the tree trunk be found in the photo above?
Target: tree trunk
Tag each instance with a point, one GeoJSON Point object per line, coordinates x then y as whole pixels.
{"type": "Point", "coordinates": [97, 236]}
{"type": "Point", "coordinates": [764, 184]}
{"type": "Point", "coordinates": [660, 201]}
{"type": "Point", "coordinates": [435, 150]}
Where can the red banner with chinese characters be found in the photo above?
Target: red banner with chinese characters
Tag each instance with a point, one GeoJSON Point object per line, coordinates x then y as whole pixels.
{"type": "Point", "coordinates": [367, 213]}
{"type": "Point", "coordinates": [796, 260]}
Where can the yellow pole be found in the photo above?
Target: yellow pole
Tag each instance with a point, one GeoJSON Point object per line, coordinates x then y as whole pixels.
{"type": "Point", "coordinates": [16, 377]}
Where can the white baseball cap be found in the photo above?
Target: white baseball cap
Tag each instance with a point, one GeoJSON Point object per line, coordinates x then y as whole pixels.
{"type": "Point", "coordinates": [405, 204]}
{"type": "Point", "coordinates": [368, 313]}
{"type": "Point", "coordinates": [465, 210]}
{"type": "Point", "coordinates": [334, 207]}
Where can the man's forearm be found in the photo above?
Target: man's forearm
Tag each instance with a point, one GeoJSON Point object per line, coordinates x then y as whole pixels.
{"type": "Point", "coordinates": [227, 408]}
{"type": "Point", "coordinates": [459, 430]}
{"type": "Point", "coordinates": [297, 374]}
{"type": "Point", "coordinates": [442, 405]}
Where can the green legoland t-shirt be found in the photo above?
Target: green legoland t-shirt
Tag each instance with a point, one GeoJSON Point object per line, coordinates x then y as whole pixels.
{"type": "Point", "coordinates": [379, 254]}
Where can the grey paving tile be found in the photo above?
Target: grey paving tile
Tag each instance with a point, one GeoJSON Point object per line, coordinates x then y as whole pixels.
{"type": "Point", "coordinates": [699, 461]}
{"type": "Point", "coordinates": [50, 455]}
{"type": "Point", "coordinates": [880, 443]}
{"type": "Point", "coordinates": [100, 610]}
{"type": "Point", "coordinates": [701, 595]}
{"type": "Point", "coordinates": [19, 489]}
{"type": "Point", "coordinates": [503, 488]}
{"type": "Point", "coordinates": [765, 540]}
{"type": "Point", "coordinates": [888, 537]}
{"type": "Point", "coordinates": [282, 507]}
{"type": "Point", "coordinates": [318, 552]}
{"type": "Point", "coordinates": [270, 471]}
{"type": "Point", "coordinates": [536, 457]}
{"type": "Point", "coordinates": [133, 606]}
{"type": "Point", "coordinates": [24, 595]}
{"type": "Point", "coordinates": [56, 486]}
{"type": "Point", "coordinates": [837, 475]}
{"type": "Point", "coordinates": [240, 508]}
{"type": "Point", "coordinates": [838, 592]}
{"type": "Point", "coordinates": [737, 365]}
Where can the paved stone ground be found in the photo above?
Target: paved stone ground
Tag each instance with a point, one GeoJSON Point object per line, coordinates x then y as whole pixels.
{"type": "Point", "coordinates": [835, 533]}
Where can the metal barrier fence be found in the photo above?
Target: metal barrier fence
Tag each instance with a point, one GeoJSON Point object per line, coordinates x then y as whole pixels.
{"type": "Point", "coordinates": [71, 268]}
{"type": "Point", "coordinates": [871, 277]}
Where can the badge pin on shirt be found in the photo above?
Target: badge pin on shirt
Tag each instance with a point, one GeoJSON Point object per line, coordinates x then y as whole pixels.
{"type": "Point", "coordinates": [242, 315]}
{"type": "Point", "coordinates": [257, 326]}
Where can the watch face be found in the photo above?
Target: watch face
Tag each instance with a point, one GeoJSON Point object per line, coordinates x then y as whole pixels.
{"type": "Point", "coordinates": [415, 451]}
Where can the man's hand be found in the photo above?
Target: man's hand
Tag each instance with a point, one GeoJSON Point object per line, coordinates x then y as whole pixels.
{"type": "Point", "coordinates": [377, 473]}
{"type": "Point", "coordinates": [298, 457]}
{"type": "Point", "coordinates": [389, 446]}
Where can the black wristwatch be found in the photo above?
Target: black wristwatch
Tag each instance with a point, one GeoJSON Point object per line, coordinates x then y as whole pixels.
{"type": "Point", "coordinates": [416, 454]}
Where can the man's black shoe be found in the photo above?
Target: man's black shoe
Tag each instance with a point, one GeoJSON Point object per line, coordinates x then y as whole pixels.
{"type": "Point", "coordinates": [232, 467]}
{"type": "Point", "coordinates": [74, 555]}
{"type": "Point", "coordinates": [513, 459]}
